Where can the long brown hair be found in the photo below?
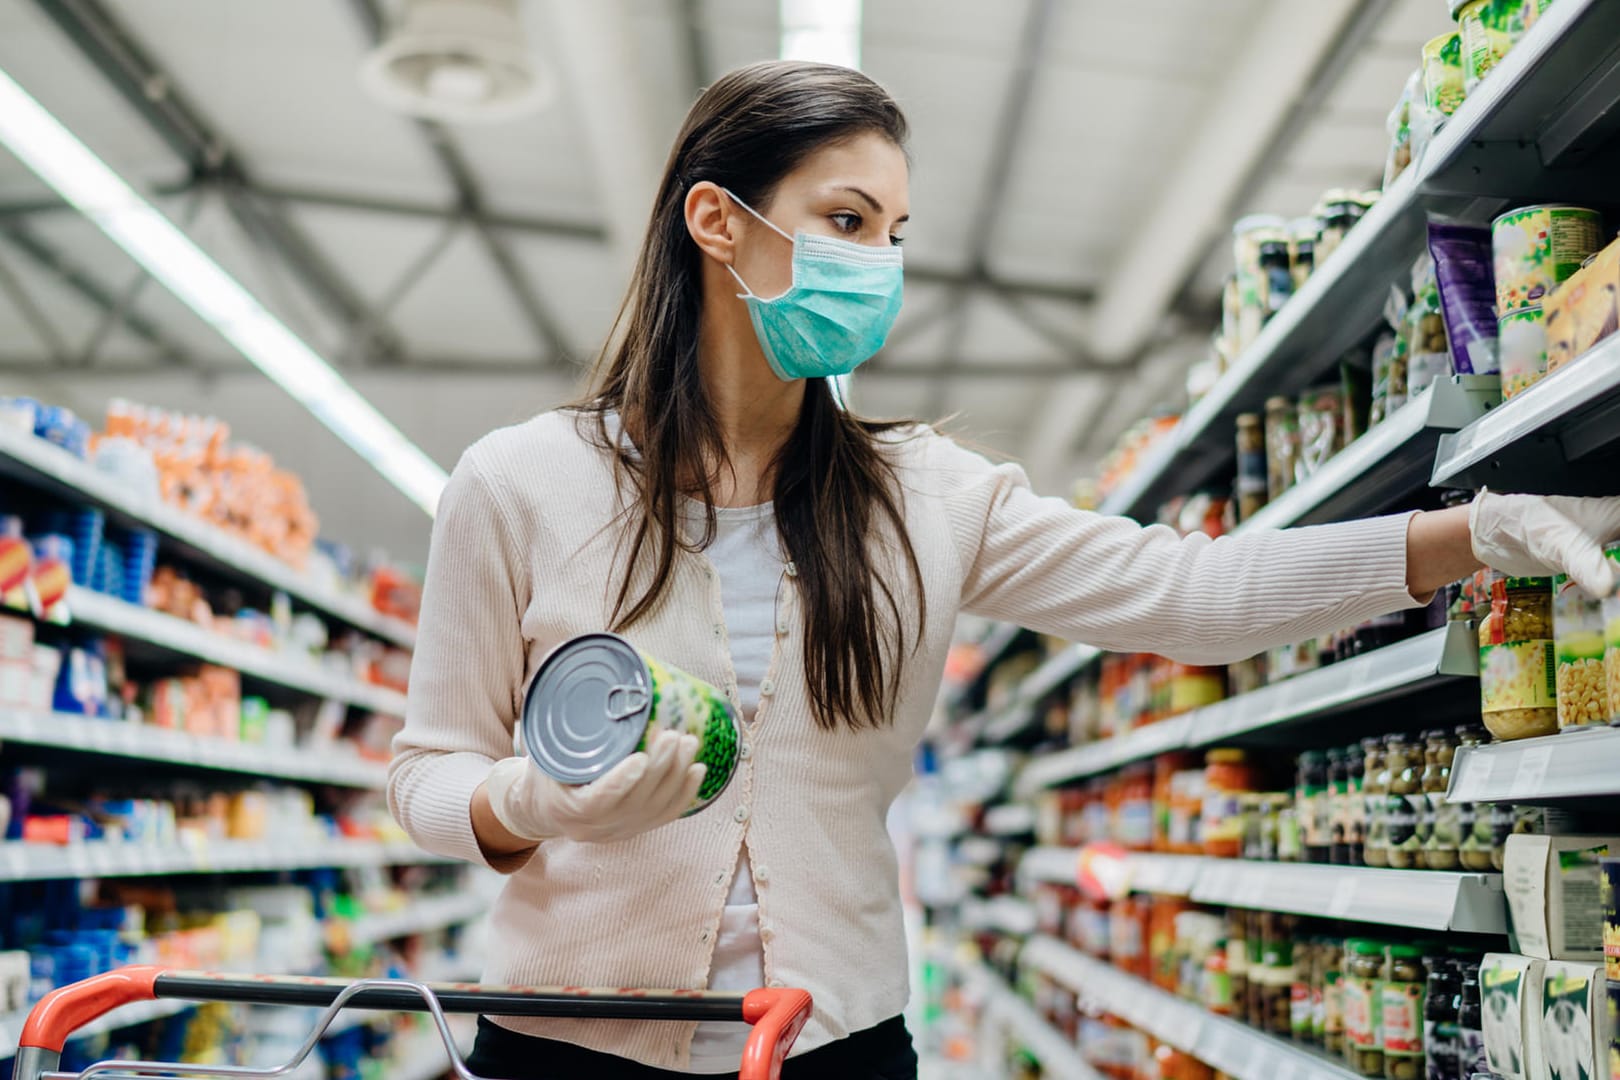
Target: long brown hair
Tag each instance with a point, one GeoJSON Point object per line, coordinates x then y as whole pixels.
{"type": "Point", "coordinates": [836, 494]}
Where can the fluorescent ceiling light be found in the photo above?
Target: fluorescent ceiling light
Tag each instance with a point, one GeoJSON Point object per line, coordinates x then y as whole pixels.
{"type": "Point", "coordinates": [828, 31]}
{"type": "Point", "coordinates": [170, 256]}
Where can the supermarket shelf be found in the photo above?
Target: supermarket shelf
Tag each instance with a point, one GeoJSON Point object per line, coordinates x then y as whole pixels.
{"type": "Point", "coordinates": [1392, 459]}
{"type": "Point", "coordinates": [331, 765]}
{"type": "Point", "coordinates": [1056, 670]}
{"type": "Point", "coordinates": [1233, 1048]}
{"type": "Point", "coordinates": [44, 465]}
{"type": "Point", "coordinates": [1402, 668]}
{"type": "Point", "coordinates": [96, 859]}
{"type": "Point", "coordinates": [991, 649]}
{"type": "Point", "coordinates": [1058, 1057]}
{"type": "Point", "coordinates": [1529, 443]}
{"type": "Point", "coordinates": [1422, 899]}
{"type": "Point", "coordinates": [1002, 914]}
{"type": "Point", "coordinates": [1406, 666]}
{"type": "Point", "coordinates": [1543, 107]}
{"type": "Point", "coordinates": [292, 671]}
{"type": "Point", "coordinates": [1104, 755]}
{"type": "Point", "coordinates": [423, 1056]}
{"type": "Point", "coordinates": [1569, 765]}
{"type": "Point", "coordinates": [419, 917]}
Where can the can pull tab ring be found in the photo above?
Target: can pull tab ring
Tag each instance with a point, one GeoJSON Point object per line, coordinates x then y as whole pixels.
{"type": "Point", "coordinates": [632, 700]}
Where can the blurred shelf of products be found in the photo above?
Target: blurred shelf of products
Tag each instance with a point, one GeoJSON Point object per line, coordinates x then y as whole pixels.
{"type": "Point", "coordinates": [1391, 851]}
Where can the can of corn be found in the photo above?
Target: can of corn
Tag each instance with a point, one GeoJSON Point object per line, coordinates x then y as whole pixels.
{"type": "Point", "coordinates": [597, 699]}
{"type": "Point", "coordinates": [1537, 247]}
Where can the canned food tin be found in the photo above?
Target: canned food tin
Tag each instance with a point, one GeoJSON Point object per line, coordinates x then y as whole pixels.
{"type": "Point", "coordinates": [1522, 349]}
{"type": "Point", "coordinates": [1536, 247]}
{"type": "Point", "coordinates": [597, 698]}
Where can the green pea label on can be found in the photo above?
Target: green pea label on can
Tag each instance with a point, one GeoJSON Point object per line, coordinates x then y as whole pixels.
{"type": "Point", "coordinates": [1537, 247]}
{"type": "Point", "coordinates": [597, 699]}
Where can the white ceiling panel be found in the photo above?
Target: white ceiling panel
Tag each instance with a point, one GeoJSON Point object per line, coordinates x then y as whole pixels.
{"type": "Point", "coordinates": [55, 73]}
{"type": "Point", "coordinates": [992, 333]}
{"type": "Point", "coordinates": [234, 61]}
{"type": "Point", "coordinates": [944, 28]}
{"type": "Point", "coordinates": [462, 309]}
{"type": "Point", "coordinates": [580, 284]}
{"type": "Point", "coordinates": [1168, 40]}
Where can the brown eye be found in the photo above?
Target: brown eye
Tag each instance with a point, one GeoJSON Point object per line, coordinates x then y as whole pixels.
{"type": "Point", "coordinates": [846, 223]}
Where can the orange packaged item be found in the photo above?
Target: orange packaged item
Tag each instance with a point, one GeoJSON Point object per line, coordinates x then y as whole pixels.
{"type": "Point", "coordinates": [1176, 1065]}
{"type": "Point", "coordinates": [1133, 808]}
{"type": "Point", "coordinates": [1128, 936]}
{"type": "Point", "coordinates": [1227, 776]}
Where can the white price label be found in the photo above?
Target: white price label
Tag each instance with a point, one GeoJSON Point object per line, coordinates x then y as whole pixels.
{"type": "Point", "coordinates": [1532, 771]}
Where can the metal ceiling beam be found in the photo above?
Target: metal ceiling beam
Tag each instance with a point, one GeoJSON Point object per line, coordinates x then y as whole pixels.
{"type": "Point", "coordinates": [470, 204]}
{"type": "Point", "coordinates": [11, 364]}
{"type": "Point", "coordinates": [150, 91]}
{"type": "Point", "coordinates": [556, 227]}
{"type": "Point", "coordinates": [1008, 133]}
{"type": "Point", "coordinates": [79, 281]}
{"type": "Point", "coordinates": [49, 335]}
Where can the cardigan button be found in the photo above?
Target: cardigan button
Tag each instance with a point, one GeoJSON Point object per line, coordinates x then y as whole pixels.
{"type": "Point", "coordinates": [767, 688]}
{"type": "Point", "coordinates": [745, 751]}
{"type": "Point", "coordinates": [761, 874]}
{"type": "Point", "coordinates": [741, 813]}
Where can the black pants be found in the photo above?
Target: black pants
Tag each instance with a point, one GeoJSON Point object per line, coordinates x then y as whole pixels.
{"type": "Point", "coordinates": [880, 1053]}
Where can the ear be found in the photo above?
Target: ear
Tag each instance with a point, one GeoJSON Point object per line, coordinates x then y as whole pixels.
{"type": "Point", "coordinates": [711, 221]}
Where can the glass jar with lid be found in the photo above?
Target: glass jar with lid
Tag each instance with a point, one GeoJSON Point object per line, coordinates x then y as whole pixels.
{"type": "Point", "coordinates": [1583, 694]}
{"type": "Point", "coordinates": [1401, 1016]}
{"type": "Point", "coordinates": [1374, 790]}
{"type": "Point", "coordinates": [1441, 1031]}
{"type": "Point", "coordinates": [1338, 819]}
{"type": "Point", "coordinates": [1364, 971]}
{"type": "Point", "coordinates": [1473, 820]}
{"type": "Point", "coordinates": [1313, 800]}
{"type": "Point", "coordinates": [1228, 775]}
{"type": "Point", "coordinates": [1442, 830]}
{"type": "Point", "coordinates": [1517, 680]}
{"type": "Point", "coordinates": [1333, 998]}
{"type": "Point", "coordinates": [1404, 803]}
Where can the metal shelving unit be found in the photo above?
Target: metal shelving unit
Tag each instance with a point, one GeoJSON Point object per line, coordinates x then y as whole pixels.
{"type": "Point", "coordinates": [1403, 668]}
{"type": "Point", "coordinates": [1005, 1009]}
{"type": "Point", "coordinates": [1576, 764]}
{"type": "Point", "coordinates": [334, 764]}
{"type": "Point", "coordinates": [1545, 107]}
{"type": "Point", "coordinates": [1536, 441]}
{"type": "Point", "coordinates": [1233, 1048]}
{"type": "Point", "coordinates": [98, 859]}
{"type": "Point", "coordinates": [43, 465]}
{"type": "Point", "coordinates": [1422, 899]}
{"type": "Point", "coordinates": [188, 639]}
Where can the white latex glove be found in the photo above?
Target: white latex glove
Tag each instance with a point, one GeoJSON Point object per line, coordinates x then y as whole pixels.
{"type": "Point", "coordinates": [1541, 535]}
{"type": "Point", "coordinates": [640, 793]}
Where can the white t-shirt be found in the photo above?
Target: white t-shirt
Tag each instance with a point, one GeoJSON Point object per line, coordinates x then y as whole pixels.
{"type": "Point", "coordinates": [747, 554]}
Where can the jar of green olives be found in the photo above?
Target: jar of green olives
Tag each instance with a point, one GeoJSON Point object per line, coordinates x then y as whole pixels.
{"type": "Point", "coordinates": [1364, 971]}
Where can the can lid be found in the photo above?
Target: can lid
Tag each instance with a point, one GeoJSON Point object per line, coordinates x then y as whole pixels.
{"type": "Point", "coordinates": [1225, 757]}
{"type": "Point", "coordinates": [587, 708]}
{"type": "Point", "coordinates": [1613, 551]}
{"type": "Point", "coordinates": [1527, 583]}
{"type": "Point", "coordinates": [1364, 947]}
{"type": "Point", "coordinates": [1406, 952]}
{"type": "Point", "coordinates": [1457, 6]}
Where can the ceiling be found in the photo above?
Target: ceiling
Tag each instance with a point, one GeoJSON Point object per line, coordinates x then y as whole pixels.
{"type": "Point", "coordinates": [1077, 163]}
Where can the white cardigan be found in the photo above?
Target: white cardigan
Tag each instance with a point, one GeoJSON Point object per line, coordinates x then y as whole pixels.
{"type": "Point", "coordinates": [525, 555]}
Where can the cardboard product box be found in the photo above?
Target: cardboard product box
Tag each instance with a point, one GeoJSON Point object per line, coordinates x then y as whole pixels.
{"type": "Point", "coordinates": [1585, 309]}
{"type": "Point", "coordinates": [1554, 892]}
{"type": "Point", "coordinates": [1510, 996]}
{"type": "Point", "coordinates": [1574, 1021]}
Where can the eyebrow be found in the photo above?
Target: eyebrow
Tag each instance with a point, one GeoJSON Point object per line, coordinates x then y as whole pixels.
{"type": "Point", "coordinates": [877, 207]}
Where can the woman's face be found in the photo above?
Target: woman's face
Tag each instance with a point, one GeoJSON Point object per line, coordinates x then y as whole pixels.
{"type": "Point", "coordinates": [857, 190]}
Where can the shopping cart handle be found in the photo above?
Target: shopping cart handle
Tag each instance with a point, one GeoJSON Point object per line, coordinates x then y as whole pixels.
{"type": "Point", "coordinates": [778, 1016]}
{"type": "Point", "coordinates": [61, 1012]}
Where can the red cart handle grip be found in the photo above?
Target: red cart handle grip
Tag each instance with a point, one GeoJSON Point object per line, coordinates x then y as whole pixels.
{"type": "Point", "coordinates": [61, 1012]}
{"type": "Point", "coordinates": [778, 1016]}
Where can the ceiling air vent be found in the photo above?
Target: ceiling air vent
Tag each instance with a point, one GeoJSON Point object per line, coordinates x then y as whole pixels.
{"type": "Point", "coordinates": [463, 61]}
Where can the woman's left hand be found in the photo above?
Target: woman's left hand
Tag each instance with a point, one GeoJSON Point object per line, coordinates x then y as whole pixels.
{"type": "Point", "coordinates": [1541, 535]}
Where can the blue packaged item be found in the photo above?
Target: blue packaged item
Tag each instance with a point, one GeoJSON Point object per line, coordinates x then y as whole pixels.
{"type": "Point", "coordinates": [75, 963]}
{"type": "Point", "coordinates": [87, 529]}
{"type": "Point", "coordinates": [57, 425]}
{"type": "Point", "coordinates": [140, 548]}
{"type": "Point", "coordinates": [81, 685]}
{"type": "Point", "coordinates": [41, 973]}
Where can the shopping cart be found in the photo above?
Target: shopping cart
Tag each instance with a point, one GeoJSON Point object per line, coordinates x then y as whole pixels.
{"type": "Point", "coordinates": [777, 1016]}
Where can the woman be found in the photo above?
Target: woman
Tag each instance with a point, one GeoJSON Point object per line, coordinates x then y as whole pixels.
{"type": "Point", "coordinates": [712, 502]}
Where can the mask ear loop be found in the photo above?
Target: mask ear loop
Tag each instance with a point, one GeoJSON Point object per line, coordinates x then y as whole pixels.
{"type": "Point", "coordinates": [747, 293]}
